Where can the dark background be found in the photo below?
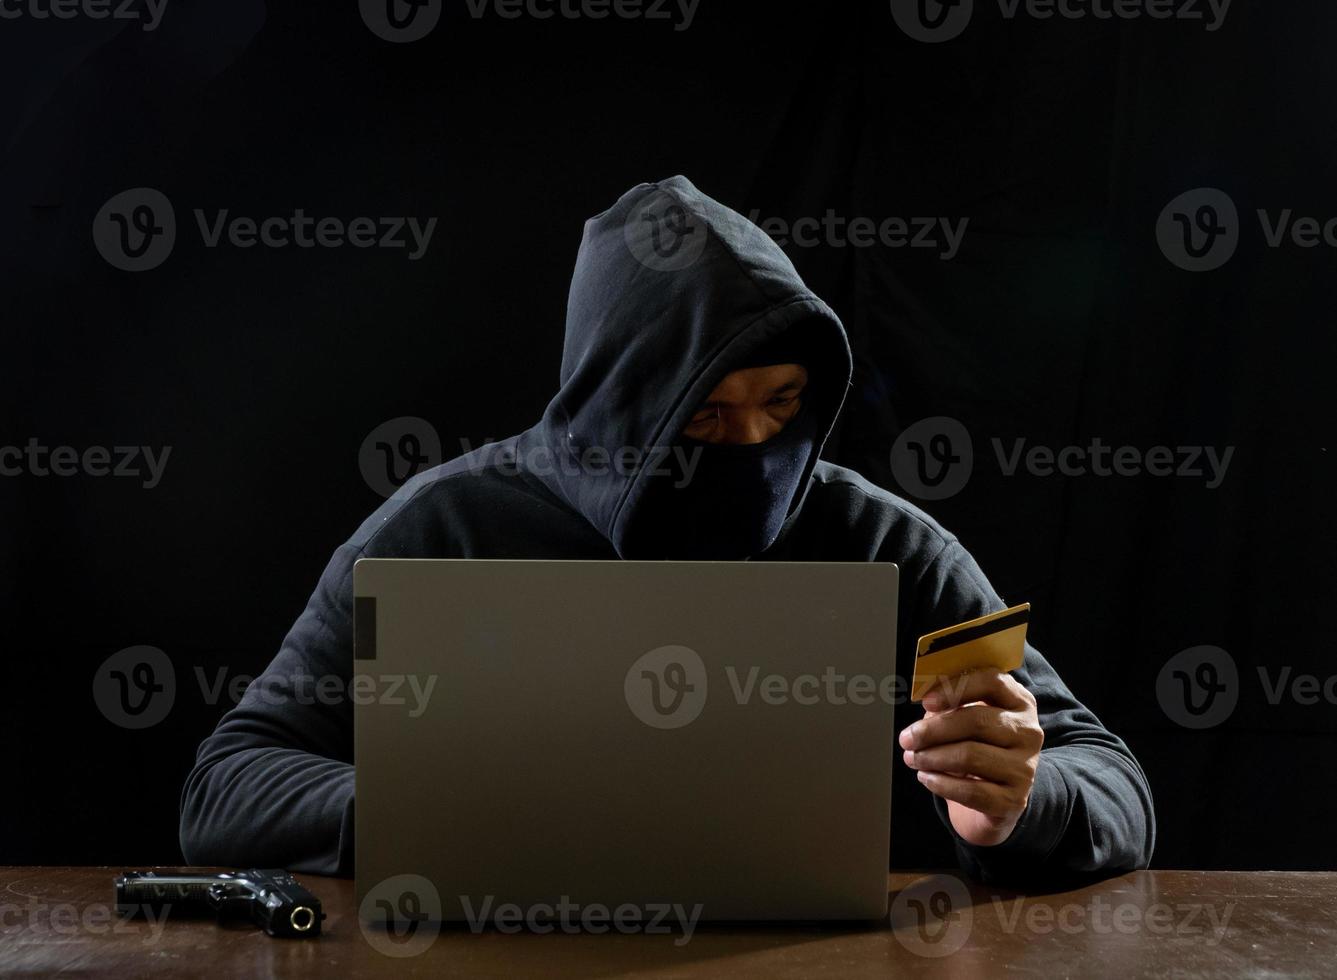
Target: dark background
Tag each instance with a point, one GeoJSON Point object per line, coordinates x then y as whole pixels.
{"type": "Point", "coordinates": [1059, 321]}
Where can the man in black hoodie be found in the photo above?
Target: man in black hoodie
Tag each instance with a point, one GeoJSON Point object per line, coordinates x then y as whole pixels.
{"type": "Point", "coordinates": [699, 381]}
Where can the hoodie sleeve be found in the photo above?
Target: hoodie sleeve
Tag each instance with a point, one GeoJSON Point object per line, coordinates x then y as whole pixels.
{"type": "Point", "coordinates": [1090, 810]}
{"type": "Point", "coordinates": [273, 785]}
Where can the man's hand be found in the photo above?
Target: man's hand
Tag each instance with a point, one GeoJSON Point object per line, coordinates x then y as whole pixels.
{"type": "Point", "coordinates": [978, 747]}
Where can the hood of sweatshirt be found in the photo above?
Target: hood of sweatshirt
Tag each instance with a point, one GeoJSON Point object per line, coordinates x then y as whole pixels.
{"type": "Point", "coordinates": [671, 291]}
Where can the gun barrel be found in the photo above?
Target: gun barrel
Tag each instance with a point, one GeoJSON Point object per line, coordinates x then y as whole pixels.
{"type": "Point", "coordinates": [136, 891]}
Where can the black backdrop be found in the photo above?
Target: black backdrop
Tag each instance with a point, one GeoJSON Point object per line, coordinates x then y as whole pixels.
{"type": "Point", "coordinates": [1059, 320]}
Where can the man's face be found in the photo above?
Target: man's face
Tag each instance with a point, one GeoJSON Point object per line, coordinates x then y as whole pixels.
{"type": "Point", "coordinates": [749, 405]}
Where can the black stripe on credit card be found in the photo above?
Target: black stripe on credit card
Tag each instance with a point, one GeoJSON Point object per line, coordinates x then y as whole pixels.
{"type": "Point", "coordinates": [1018, 618]}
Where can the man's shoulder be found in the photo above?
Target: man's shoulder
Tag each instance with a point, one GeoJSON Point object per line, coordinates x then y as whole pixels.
{"type": "Point", "coordinates": [470, 491]}
{"type": "Point", "coordinates": [842, 491]}
{"type": "Point", "coordinates": [836, 483]}
{"type": "Point", "coordinates": [878, 525]}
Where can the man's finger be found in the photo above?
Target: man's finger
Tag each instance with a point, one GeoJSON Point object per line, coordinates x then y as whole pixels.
{"type": "Point", "coordinates": [974, 722]}
{"type": "Point", "coordinates": [977, 759]}
{"type": "Point", "coordinates": [985, 797]}
{"type": "Point", "coordinates": [988, 684]}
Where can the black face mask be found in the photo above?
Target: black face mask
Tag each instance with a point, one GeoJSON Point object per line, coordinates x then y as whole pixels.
{"type": "Point", "coordinates": [736, 499]}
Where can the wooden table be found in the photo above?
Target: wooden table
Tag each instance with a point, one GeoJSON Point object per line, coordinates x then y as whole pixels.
{"type": "Point", "coordinates": [1147, 924]}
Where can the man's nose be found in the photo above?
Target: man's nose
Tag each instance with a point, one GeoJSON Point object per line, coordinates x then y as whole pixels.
{"type": "Point", "coordinates": [750, 429]}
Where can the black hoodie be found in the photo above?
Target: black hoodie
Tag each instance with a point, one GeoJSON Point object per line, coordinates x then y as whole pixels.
{"type": "Point", "coordinates": [671, 290]}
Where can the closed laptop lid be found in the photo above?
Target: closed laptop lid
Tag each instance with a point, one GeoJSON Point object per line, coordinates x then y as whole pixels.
{"type": "Point", "coordinates": [709, 733]}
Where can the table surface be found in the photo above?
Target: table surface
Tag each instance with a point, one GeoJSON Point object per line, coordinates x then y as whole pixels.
{"type": "Point", "coordinates": [1145, 924]}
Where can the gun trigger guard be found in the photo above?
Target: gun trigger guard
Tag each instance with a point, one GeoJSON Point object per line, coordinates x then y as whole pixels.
{"type": "Point", "coordinates": [228, 899]}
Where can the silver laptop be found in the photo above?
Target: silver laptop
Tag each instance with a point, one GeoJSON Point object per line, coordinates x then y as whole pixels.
{"type": "Point", "coordinates": [713, 734]}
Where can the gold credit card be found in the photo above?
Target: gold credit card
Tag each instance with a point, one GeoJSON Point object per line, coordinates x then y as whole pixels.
{"type": "Point", "coordinates": [996, 640]}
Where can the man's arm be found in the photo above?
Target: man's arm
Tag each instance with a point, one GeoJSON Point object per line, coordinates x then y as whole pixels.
{"type": "Point", "coordinates": [273, 785]}
{"type": "Point", "coordinates": [1079, 805]}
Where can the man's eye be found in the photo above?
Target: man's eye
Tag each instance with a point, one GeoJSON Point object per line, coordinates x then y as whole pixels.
{"type": "Point", "coordinates": [784, 400]}
{"type": "Point", "coordinates": [705, 416]}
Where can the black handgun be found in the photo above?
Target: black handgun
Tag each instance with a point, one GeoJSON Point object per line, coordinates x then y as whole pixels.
{"type": "Point", "coordinates": [272, 899]}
